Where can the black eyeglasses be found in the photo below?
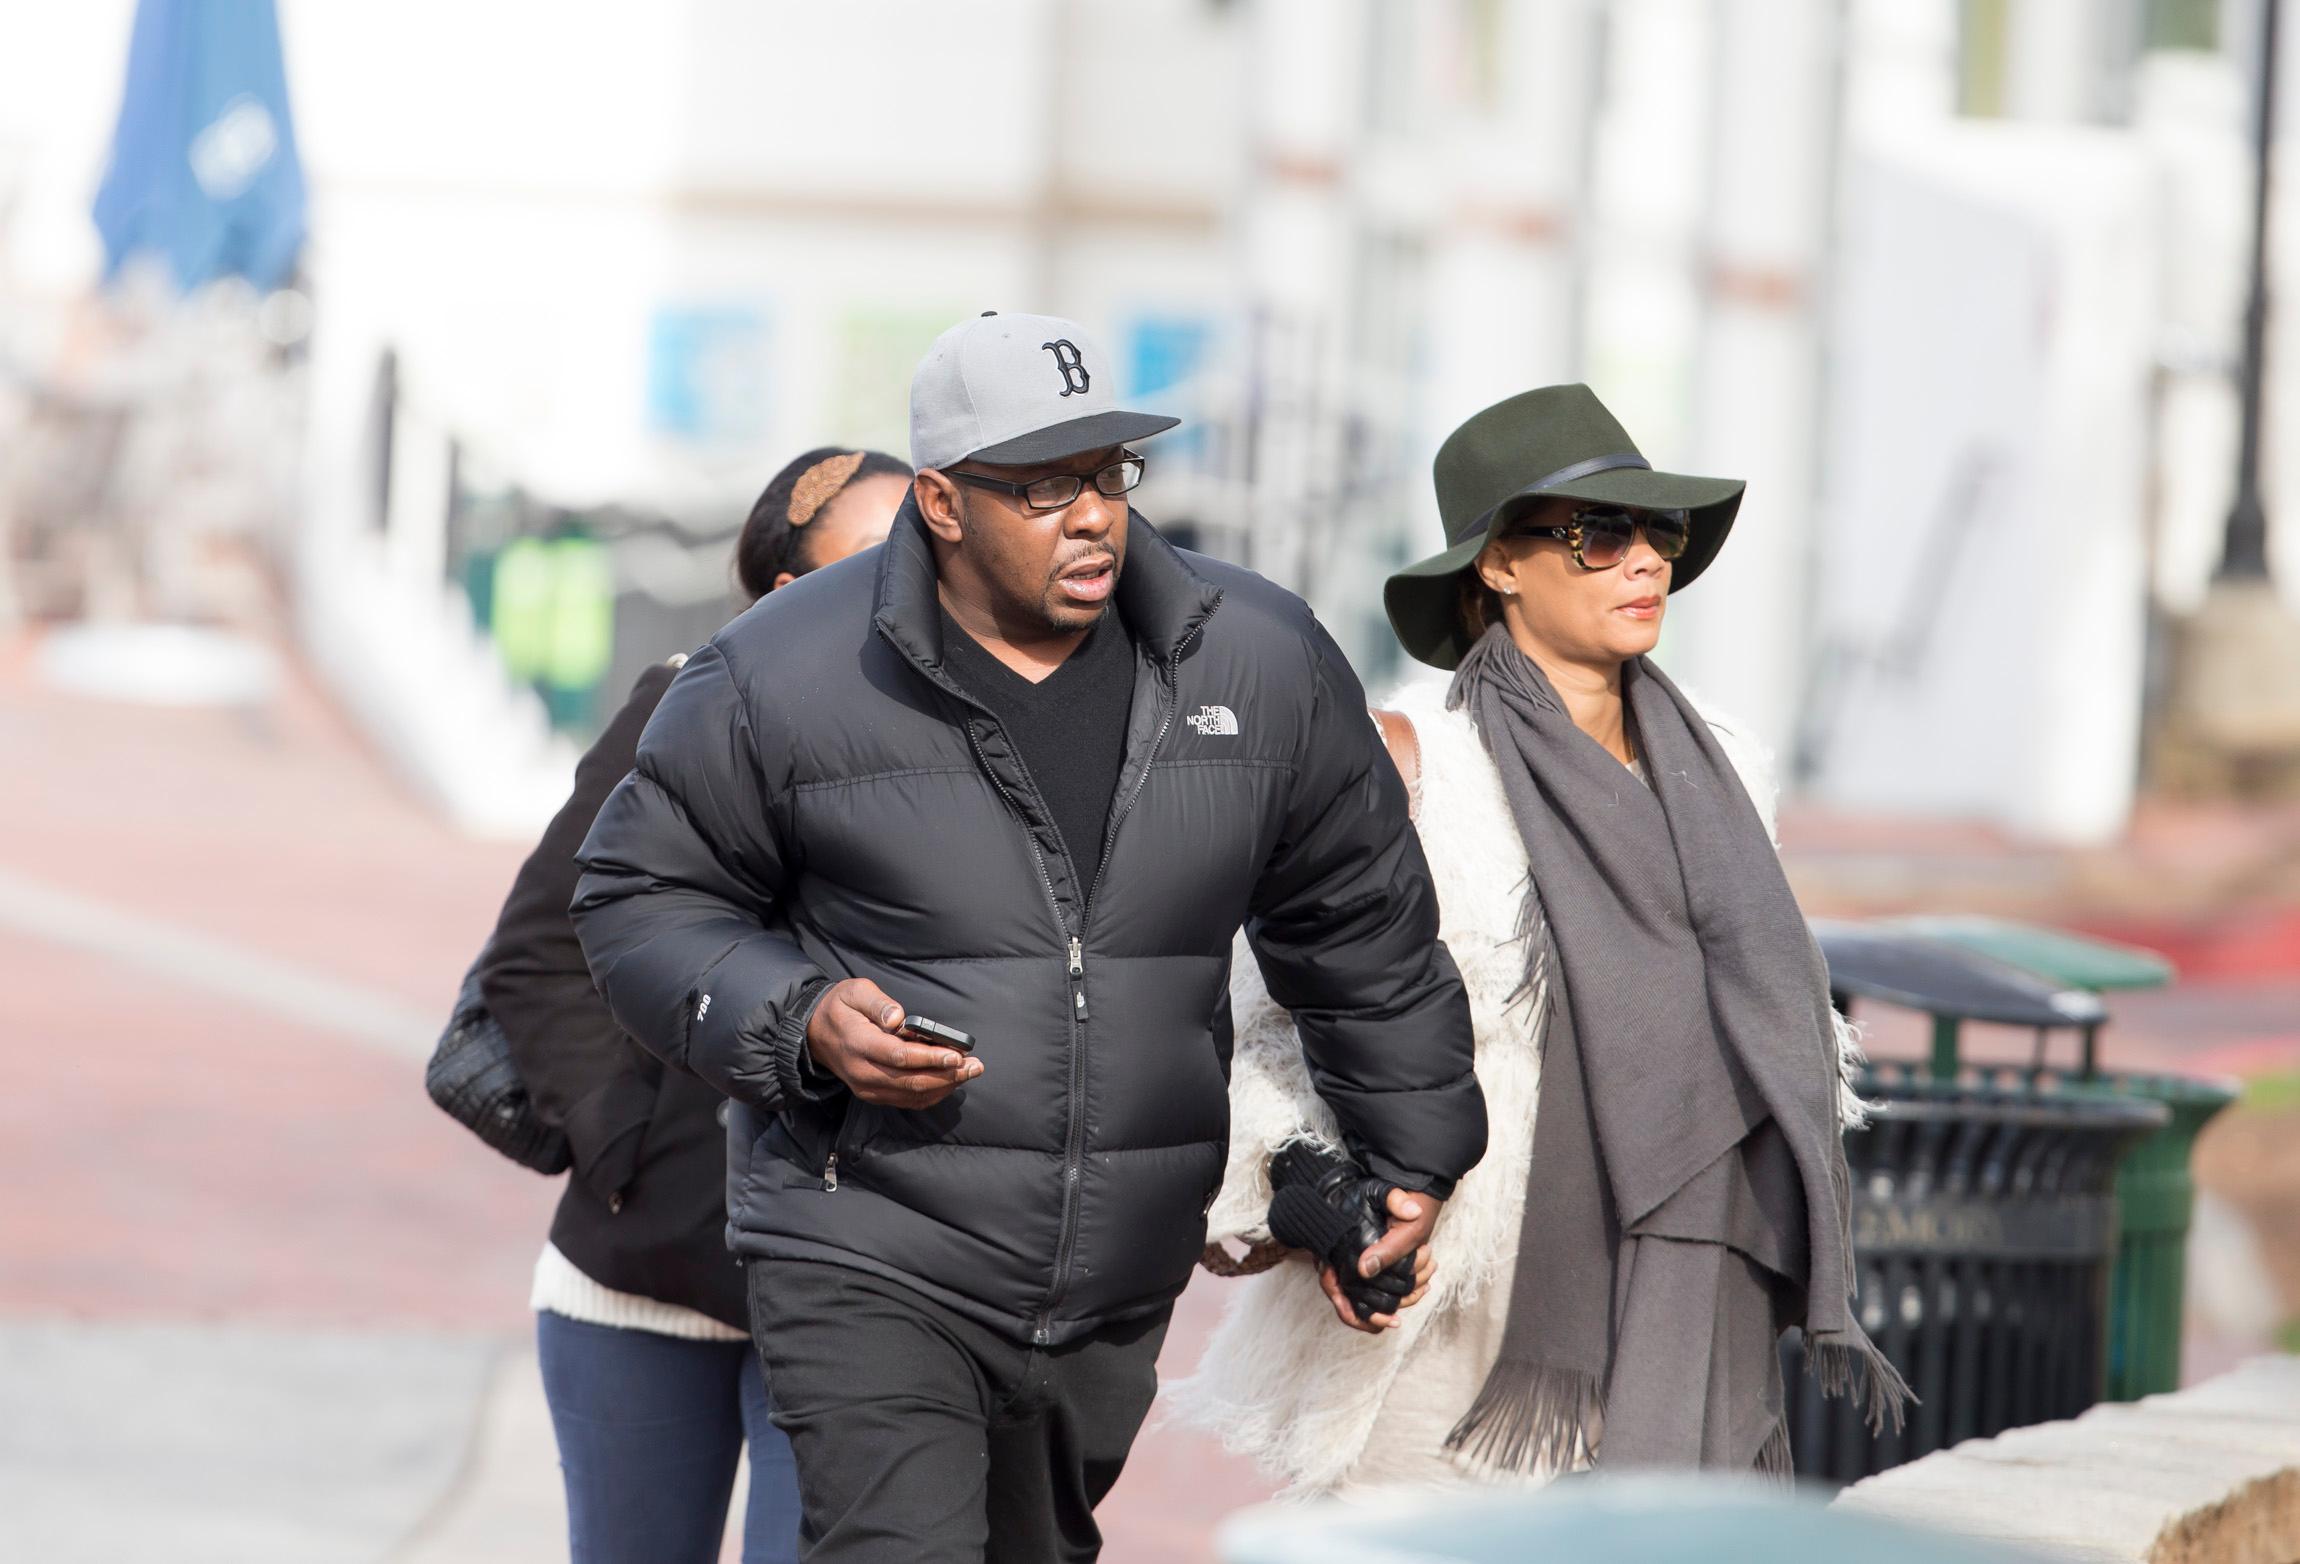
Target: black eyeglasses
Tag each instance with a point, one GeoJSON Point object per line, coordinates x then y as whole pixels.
{"type": "Point", "coordinates": [1120, 477]}
{"type": "Point", "coordinates": [1601, 535]}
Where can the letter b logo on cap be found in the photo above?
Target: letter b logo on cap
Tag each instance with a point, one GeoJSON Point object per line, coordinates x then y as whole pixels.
{"type": "Point", "coordinates": [984, 390]}
{"type": "Point", "coordinates": [1075, 380]}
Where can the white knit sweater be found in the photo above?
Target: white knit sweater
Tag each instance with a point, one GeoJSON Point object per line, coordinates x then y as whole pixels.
{"type": "Point", "coordinates": [1282, 1380]}
{"type": "Point", "coordinates": [563, 1289]}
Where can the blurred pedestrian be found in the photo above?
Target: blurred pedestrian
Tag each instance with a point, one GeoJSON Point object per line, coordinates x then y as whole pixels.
{"type": "Point", "coordinates": [640, 1315]}
{"type": "Point", "coordinates": [952, 792]}
{"type": "Point", "coordinates": [1611, 1290]}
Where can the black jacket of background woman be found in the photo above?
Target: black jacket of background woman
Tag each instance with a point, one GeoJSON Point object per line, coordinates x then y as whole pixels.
{"type": "Point", "coordinates": [645, 1206]}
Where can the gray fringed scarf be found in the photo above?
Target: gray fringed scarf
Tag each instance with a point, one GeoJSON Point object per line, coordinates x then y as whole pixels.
{"type": "Point", "coordinates": [1687, 1115]}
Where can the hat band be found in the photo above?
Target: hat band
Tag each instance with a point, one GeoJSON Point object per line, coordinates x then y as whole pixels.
{"type": "Point", "coordinates": [1566, 474]}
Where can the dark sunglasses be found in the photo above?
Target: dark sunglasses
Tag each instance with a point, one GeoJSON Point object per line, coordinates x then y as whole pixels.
{"type": "Point", "coordinates": [1601, 535]}
{"type": "Point", "coordinates": [1120, 477]}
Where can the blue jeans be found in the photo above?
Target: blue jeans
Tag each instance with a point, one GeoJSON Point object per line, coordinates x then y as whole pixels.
{"type": "Point", "coordinates": [650, 1428]}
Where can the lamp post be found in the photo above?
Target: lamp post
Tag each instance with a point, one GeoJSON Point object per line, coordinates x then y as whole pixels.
{"type": "Point", "coordinates": [2244, 553]}
{"type": "Point", "coordinates": [2234, 722]}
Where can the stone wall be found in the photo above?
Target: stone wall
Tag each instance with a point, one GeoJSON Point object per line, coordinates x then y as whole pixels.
{"type": "Point", "coordinates": [2210, 1475]}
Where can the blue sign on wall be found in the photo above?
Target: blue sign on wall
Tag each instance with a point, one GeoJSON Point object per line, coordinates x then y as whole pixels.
{"type": "Point", "coordinates": [709, 372]}
{"type": "Point", "coordinates": [1163, 354]}
{"type": "Point", "coordinates": [1163, 351]}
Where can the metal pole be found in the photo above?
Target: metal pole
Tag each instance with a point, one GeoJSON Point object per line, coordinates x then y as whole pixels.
{"type": "Point", "coordinates": [2245, 553]}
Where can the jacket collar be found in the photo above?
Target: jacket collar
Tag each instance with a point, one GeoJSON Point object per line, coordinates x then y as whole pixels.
{"type": "Point", "coordinates": [1161, 599]}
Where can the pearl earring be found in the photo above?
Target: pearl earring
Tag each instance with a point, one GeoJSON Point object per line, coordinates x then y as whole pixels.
{"type": "Point", "coordinates": [1509, 591]}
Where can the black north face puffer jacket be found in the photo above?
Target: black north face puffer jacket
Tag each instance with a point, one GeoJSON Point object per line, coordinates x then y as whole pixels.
{"type": "Point", "coordinates": [816, 799]}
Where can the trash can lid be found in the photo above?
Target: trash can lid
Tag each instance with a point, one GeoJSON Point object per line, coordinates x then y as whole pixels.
{"type": "Point", "coordinates": [1901, 967]}
{"type": "Point", "coordinates": [2078, 960]}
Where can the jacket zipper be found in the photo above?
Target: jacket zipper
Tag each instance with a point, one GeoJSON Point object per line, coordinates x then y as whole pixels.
{"type": "Point", "coordinates": [1074, 1149]}
{"type": "Point", "coordinates": [1038, 856]}
{"type": "Point", "coordinates": [831, 1162]}
{"type": "Point", "coordinates": [1043, 1333]}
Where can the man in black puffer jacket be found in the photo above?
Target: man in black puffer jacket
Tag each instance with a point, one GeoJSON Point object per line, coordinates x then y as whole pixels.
{"type": "Point", "coordinates": [940, 778]}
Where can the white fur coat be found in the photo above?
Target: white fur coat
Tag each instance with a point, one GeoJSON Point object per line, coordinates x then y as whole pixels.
{"type": "Point", "coordinates": [1282, 1380]}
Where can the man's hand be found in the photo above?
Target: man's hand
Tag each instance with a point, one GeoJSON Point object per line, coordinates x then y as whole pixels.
{"type": "Point", "coordinates": [1411, 1219]}
{"type": "Point", "coordinates": [856, 1034]}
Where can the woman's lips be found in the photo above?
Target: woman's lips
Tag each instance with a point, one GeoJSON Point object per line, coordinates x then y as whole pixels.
{"type": "Point", "coordinates": [1641, 608]}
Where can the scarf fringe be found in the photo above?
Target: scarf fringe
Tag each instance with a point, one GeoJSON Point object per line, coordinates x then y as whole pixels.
{"type": "Point", "coordinates": [1471, 669]}
{"type": "Point", "coordinates": [1531, 1418]}
{"type": "Point", "coordinates": [1532, 932]}
{"type": "Point", "coordinates": [1852, 1066]}
{"type": "Point", "coordinates": [1774, 1461]}
{"type": "Point", "coordinates": [1851, 1366]}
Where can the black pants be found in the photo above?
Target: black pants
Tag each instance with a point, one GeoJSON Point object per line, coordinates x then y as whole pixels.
{"type": "Point", "coordinates": [923, 1437]}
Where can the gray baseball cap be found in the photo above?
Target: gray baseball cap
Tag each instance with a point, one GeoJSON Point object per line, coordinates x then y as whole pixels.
{"type": "Point", "coordinates": [1015, 390]}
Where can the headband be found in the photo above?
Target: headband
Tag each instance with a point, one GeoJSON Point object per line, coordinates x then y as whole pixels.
{"type": "Point", "coordinates": [819, 484]}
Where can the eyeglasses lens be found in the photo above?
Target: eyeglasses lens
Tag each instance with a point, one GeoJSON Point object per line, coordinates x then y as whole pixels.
{"type": "Point", "coordinates": [1119, 477]}
{"type": "Point", "coordinates": [1054, 493]}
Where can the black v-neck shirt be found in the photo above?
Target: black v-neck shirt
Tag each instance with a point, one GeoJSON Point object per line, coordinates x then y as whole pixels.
{"type": "Point", "coordinates": [1070, 727]}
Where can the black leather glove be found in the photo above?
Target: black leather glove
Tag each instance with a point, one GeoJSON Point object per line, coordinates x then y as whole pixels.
{"type": "Point", "coordinates": [1323, 1202]}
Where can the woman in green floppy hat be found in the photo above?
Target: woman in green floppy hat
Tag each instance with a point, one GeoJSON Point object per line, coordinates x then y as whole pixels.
{"type": "Point", "coordinates": [1553, 465]}
{"type": "Point", "coordinates": [1611, 1290]}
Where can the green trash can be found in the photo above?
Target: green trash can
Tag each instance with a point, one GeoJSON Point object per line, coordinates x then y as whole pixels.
{"type": "Point", "coordinates": [2156, 1200]}
{"type": "Point", "coordinates": [2155, 1191]}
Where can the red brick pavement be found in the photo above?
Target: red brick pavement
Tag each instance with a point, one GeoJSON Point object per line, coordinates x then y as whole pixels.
{"type": "Point", "coordinates": [170, 1152]}
{"type": "Point", "coordinates": [283, 835]}
{"type": "Point", "coordinates": [174, 1156]}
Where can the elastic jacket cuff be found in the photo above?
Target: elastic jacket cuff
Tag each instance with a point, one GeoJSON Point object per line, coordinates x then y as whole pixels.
{"type": "Point", "coordinates": [795, 1070]}
{"type": "Point", "coordinates": [1430, 1184]}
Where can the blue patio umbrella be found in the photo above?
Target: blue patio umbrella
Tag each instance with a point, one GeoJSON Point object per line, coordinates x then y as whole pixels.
{"type": "Point", "coordinates": [204, 169]}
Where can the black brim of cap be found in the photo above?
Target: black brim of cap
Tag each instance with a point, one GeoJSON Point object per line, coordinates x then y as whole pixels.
{"type": "Point", "coordinates": [1094, 432]}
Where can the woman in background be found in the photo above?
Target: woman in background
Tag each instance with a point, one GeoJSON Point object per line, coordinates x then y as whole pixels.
{"type": "Point", "coordinates": [640, 1310]}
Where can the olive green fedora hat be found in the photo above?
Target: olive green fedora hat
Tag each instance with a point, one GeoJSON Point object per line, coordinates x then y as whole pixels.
{"type": "Point", "coordinates": [1555, 441]}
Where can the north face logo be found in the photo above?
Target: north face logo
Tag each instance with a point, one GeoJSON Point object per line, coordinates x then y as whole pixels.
{"type": "Point", "coordinates": [1215, 722]}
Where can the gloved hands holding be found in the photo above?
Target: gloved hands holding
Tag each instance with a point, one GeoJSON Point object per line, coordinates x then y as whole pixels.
{"type": "Point", "coordinates": [1370, 1238]}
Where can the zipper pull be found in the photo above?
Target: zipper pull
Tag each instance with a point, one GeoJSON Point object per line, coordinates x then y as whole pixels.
{"type": "Point", "coordinates": [1077, 978]}
{"type": "Point", "coordinates": [831, 1173]}
{"type": "Point", "coordinates": [1077, 958]}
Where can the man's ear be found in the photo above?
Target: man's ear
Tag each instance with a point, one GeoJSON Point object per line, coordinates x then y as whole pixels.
{"type": "Point", "coordinates": [938, 505]}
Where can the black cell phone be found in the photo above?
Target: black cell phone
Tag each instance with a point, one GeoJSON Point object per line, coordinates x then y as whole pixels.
{"type": "Point", "coordinates": [920, 1030]}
